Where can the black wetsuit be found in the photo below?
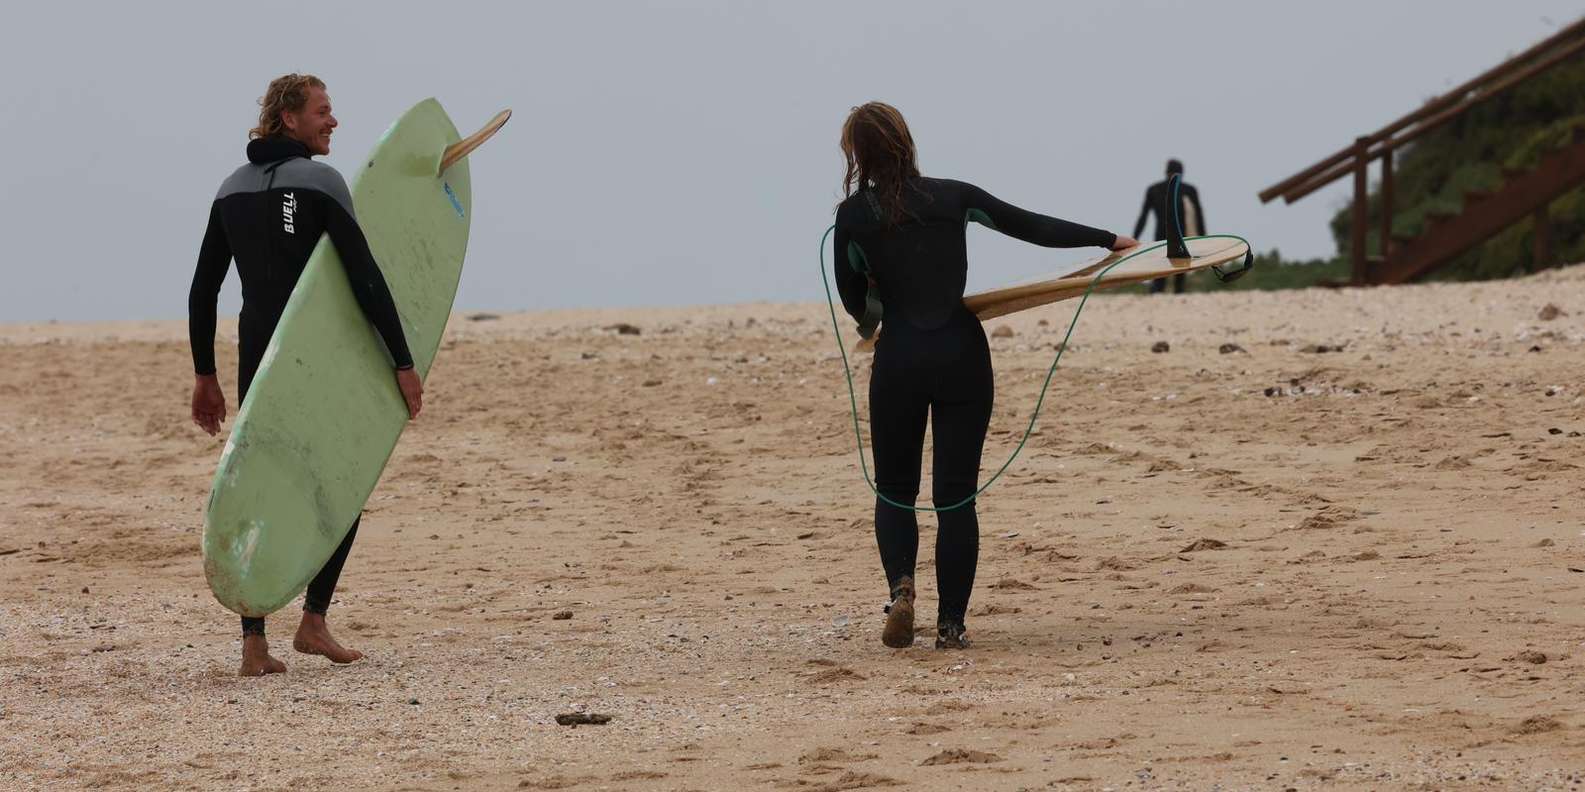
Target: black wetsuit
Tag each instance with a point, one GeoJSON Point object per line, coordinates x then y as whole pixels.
{"type": "Point", "coordinates": [269, 215]}
{"type": "Point", "coordinates": [931, 359]}
{"type": "Point", "coordinates": [1156, 204]}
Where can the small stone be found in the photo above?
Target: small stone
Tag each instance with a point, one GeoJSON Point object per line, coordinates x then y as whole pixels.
{"type": "Point", "coordinates": [483, 317]}
{"type": "Point", "coordinates": [1229, 348]}
{"type": "Point", "coordinates": [961, 756]}
{"type": "Point", "coordinates": [1002, 331]}
{"type": "Point", "coordinates": [1160, 346]}
{"type": "Point", "coordinates": [623, 328]}
{"type": "Point", "coordinates": [650, 383]}
{"type": "Point", "coordinates": [582, 719]}
{"type": "Point", "coordinates": [1550, 312]}
{"type": "Point", "coordinates": [1531, 656]}
{"type": "Point", "coordinates": [1538, 724]}
{"type": "Point", "coordinates": [562, 615]}
{"type": "Point", "coordinates": [413, 701]}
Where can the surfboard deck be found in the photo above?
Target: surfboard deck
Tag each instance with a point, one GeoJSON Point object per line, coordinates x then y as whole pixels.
{"type": "Point", "coordinates": [1151, 262]}
{"type": "Point", "coordinates": [323, 413]}
{"type": "Point", "coordinates": [1144, 263]}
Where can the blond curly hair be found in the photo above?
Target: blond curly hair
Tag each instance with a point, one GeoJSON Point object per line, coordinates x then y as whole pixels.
{"type": "Point", "coordinates": [286, 94]}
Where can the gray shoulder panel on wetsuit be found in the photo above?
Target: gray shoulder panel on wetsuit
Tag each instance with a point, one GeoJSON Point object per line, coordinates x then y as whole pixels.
{"type": "Point", "coordinates": [295, 173]}
{"type": "Point", "coordinates": [248, 178]}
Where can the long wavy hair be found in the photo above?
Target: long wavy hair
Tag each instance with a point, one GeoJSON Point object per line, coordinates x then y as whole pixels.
{"type": "Point", "coordinates": [286, 94]}
{"type": "Point", "coordinates": [881, 157]}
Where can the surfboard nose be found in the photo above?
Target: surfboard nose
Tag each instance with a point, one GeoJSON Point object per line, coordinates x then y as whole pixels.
{"type": "Point", "coordinates": [250, 569]}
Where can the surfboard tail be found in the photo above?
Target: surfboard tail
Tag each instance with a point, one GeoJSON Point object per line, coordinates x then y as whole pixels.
{"type": "Point", "coordinates": [1178, 249]}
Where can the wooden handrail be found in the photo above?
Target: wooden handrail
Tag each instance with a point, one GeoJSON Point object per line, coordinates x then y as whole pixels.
{"type": "Point", "coordinates": [1426, 125]}
{"type": "Point", "coordinates": [1439, 105]}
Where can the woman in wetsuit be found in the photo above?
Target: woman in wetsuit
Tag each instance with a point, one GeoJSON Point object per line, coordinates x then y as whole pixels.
{"type": "Point", "coordinates": [903, 235]}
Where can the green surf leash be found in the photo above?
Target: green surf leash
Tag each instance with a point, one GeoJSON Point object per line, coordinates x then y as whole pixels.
{"type": "Point", "coordinates": [1226, 276]}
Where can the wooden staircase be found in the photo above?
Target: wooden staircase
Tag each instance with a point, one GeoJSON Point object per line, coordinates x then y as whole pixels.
{"type": "Point", "coordinates": [1484, 215]}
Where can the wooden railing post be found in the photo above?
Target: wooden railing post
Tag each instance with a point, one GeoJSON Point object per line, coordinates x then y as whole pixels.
{"type": "Point", "coordinates": [1386, 204]}
{"type": "Point", "coordinates": [1361, 214]}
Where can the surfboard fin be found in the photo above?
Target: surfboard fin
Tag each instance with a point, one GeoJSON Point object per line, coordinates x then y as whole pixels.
{"type": "Point", "coordinates": [465, 146]}
{"type": "Point", "coordinates": [1176, 248]}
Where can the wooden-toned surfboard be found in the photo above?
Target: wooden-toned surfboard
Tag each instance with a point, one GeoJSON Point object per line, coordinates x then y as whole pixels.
{"type": "Point", "coordinates": [1138, 265]}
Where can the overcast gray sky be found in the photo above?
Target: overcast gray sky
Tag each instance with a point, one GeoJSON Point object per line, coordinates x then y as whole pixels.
{"type": "Point", "coordinates": [674, 153]}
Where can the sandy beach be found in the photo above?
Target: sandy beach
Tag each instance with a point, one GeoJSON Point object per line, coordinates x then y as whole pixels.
{"type": "Point", "coordinates": [1328, 540]}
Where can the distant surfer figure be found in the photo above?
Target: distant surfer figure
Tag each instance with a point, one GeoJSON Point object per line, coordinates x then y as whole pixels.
{"type": "Point", "coordinates": [1193, 216]}
{"type": "Point", "coordinates": [269, 215]}
{"type": "Point", "coordinates": [902, 235]}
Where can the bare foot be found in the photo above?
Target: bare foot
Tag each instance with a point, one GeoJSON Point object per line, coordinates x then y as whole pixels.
{"type": "Point", "coordinates": [256, 659]}
{"type": "Point", "coordinates": [313, 637]}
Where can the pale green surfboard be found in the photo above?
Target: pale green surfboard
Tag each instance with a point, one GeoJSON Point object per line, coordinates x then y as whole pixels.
{"type": "Point", "coordinates": [323, 412]}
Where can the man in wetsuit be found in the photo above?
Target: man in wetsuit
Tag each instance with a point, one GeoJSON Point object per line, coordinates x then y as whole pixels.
{"type": "Point", "coordinates": [1193, 216]}
{"type": "Point", "coordinates": [902, 235]}
{"type": "Point", "coordinates": [269, 215]}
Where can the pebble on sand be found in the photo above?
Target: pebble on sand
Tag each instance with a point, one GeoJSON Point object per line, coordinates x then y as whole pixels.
{"type": "Point", "coordinates": [961, 756]}
{"type": "Point", "coordinates": [1321, 349]}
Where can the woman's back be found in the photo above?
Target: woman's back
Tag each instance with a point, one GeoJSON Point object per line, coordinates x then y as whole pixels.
{"type": "Point", "coordinates": [920, 265]}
